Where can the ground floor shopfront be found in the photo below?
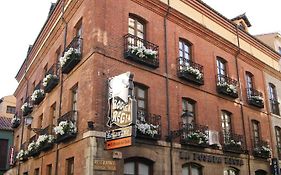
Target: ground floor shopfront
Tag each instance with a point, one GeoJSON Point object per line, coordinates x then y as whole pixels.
{"type": "Point", "coordinates": [88, 156]}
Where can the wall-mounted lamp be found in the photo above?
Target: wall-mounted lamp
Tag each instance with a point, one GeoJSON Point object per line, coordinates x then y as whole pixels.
{"type": "Point", "coordinates": [90, 125]}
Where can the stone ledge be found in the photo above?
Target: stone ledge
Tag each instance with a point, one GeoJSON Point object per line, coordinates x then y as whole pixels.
{"type": "Point", "coordinates": [94, 134]}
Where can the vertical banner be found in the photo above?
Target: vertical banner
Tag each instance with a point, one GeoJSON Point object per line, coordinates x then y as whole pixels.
{"type": "Point", "coordinates": [121, 111]}
{"type": "Point", "coordinates": [12, 156]}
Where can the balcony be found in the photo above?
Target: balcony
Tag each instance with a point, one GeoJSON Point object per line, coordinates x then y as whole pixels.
{"type": "Point", "coordinates": [233, 143]}
{"type": "Point", "coordinates": [194, 135]}
{"type": "Point", "coordinates": [27, 108]}
{"type": "Point", "coordinates": [15, 121]}
{"type": "Point", "coordinates": [274, 106]}
{"type": "Point", "coordinates": [33, 151]}
{"type": "Point", "coordinates": [148, 126]}
{"type": "Point", "coordinates": [48, 143]}
{"type": "Point", "coordinates": [72, 55]}
{"type": "Point", "coordinates": [227, 86]}
{"type": "Point", "coordinates": [51, 79]}
{"type": "Point", "coordinates": [141, 51]}
{"type": "Point", "coordinates": [261, 150]}
{"type": "Point", "coordinates": [66, 129]}
{"type": "Point", "coordinates": [255, 98]}
{"type": "Point", "coordinates": [190, 71]}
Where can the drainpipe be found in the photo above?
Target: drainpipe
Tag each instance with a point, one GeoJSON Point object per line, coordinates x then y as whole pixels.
{"type": "Point", "coordinates": [23, 121]}
{"type": "Point", "coordinates": [61, 82]}
{"type": "Point", "coordinates": [167, 86]}
{"type": "Point", "coordinates": [241, 94]}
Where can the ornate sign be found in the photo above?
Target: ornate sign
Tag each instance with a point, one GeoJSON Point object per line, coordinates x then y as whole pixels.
{"type": "Point", "coordinates": [118, 133]}
{"type": "Point", "coordinates": [105, 165]}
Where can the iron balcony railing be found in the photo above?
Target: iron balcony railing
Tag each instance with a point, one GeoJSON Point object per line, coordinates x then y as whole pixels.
{"type": "Point", "coordinates": [261, 149]}
{"type": "Point", "coordinates": [194, 134]}
{"type": "Point", "coordinates": [132, 43]}
{"type": "Point", "coordinates": [76, 43]}
{"type": "Point", "coordinates": [233, 142]}
{"type": "Point", "coordinates": [227, 86]}
{"type": "Point", "coordinates": [46, 131]}
{"type": "Point", "coordinates": [69, 116]}
{"type": "Point", "coordinates": [148, 125]}
{"type": "Point", "coordinates": [274, 106]}
{"type": "Point", "coordinates": [190, 71]}
{"type": "Point", "coordinates": [255, 97]}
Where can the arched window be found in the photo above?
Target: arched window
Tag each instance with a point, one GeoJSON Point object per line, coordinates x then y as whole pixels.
{"type": "Point", "coordinates": [231, 171]}
{"type": "Point", "coordinates": [136, 26]}
{"type": "Point", "coordinates": [192, 169]}
{"type": "Point", "coordinates": [260, 172]}
{"type": "Point", "coordinates": [188, 111]}
{"type": "Point", "coordinates": [138, 166]}
{"type": "Point", "coordinates": [226, 125]}
{"type": "Point", "coordinates": [273, 99]}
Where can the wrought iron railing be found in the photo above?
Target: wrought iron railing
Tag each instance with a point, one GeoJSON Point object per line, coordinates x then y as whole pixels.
{"type": "Point", "coordinates": [190, 71]}
{"type": "Point", "coordinates": [46, 131]}
{"type": "Point", "coordinates": [52, 70]}
{"type": "Point", "coordinates": [227, 86]}
{"type": "Point", "coordinates": [76, 43]}
{"type": "Point", "coordinates": [261, 149]}
{"type": "Point", "coordinates": [278, 147]}
{"type": "Point", "coordinates": [255, 97]}
{"type": "Point", "coordinates": [132, 41]}
{"type": "Point", "coordinates": [33, 138]}
{"type": "Point", "coordinates": [69, 116]}
{"type": "Point", "coordinates": [194, 134]}
{"type": "Point", "coordinates": [233, 142]}
{"type": "Point", "coordinates": [148, 125]}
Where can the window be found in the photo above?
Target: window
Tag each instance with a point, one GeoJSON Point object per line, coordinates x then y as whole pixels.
{"type": "Point", "coordinates": [53, 114]}
{"type": "Point", "coordinates": [221, 69]}
{"type": "Point", "coordinates": [192, 169]}
{"type": "Point", "coordinates": [74, 98]}
{"type": "Point", "coordinates": [49, 169]}
{"type": "Point", "coordinates": [70, 166]}
{"type": "Point", "coordinates": [185, 51]}
{"type": "Point", "coordinates": [273, 99]}
{"type": "Point", "coordinates": [249, 83]}
{"type": "Point", "coordinates": [260, 172]}
{"type": "Point", "coordinates": [40, 120]}
{"type": "Point", "coordinates": [188, 111]}
{"type": "Point", "coordinates": [3, 153]}
{"type": "Point", "coordinates": [58, 55]}
{"type": "Point", "coordinates": [231, 171]}
{"type": "Point", "coordinates": [78, 29]}
{"type": "Point", "coordinates": [136, 27]}
{"type": "Point", "coordinates": [278, 140]}
{"type": "Point", "coordinates": [141, 98]}
{"type": "Point", "coordinates": [138, 166]}
{"type": "Point", "coordinates": [226, 125]}
{"type": "Point", "coordinates": [36, 171]}
{"type": "Point", "coordinates": [11, 109]}
{"type": "Point", "coordinates": [256, 132]}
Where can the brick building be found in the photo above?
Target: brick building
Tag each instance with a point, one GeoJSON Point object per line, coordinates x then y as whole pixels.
{"type": "Point", "coordinates": [199, 86]}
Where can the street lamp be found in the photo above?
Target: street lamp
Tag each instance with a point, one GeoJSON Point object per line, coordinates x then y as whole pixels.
{"type": "Point", "coordinates": [28, 121]}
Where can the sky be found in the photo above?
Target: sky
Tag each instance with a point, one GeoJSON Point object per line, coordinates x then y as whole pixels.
{"type": "Point", "coordinates": [22, 20]}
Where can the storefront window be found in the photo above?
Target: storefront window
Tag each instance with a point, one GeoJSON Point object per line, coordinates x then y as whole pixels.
{"type": "Point", "coordinates": [192, 169]}
{"type": "Point", "coordinates": [260, 172]}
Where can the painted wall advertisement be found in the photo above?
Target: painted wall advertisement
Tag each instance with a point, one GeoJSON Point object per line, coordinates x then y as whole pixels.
{"type": "Point", "coordinates": [122, 111]}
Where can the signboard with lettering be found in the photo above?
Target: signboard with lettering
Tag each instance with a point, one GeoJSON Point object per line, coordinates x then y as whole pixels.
{"type": "Point", "coordinates": [105, 165]}
{"type": "Point", "coordinates": [118, 143]}
{"type": "Point", "coordinates": [12, 156]}
{"type": "Point", "coordinates": [118, 133]}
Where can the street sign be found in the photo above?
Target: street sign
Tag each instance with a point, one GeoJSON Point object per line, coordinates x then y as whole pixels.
{"type": "Point", "coordinates": [118, 143]}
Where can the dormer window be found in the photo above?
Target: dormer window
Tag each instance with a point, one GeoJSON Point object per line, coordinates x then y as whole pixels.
{"type": "Point", "coordinates": [242, 22]}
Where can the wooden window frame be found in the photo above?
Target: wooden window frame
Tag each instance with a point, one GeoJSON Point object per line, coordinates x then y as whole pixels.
{"type": "Point", "coordinates": [69, 163]}
{"type": "Point", "coordinates": [192, 164]}
{"type": "Point", "coordinates": [138, 86]}
{"type": "Point", "coordinates": [137, 161]}
{"type": "Point", "coordinates": [189, 46]}
{"type": "Point", "coordinates": [135, 28]}
{"type": "Point", "coordinates": [193, 114]}
{"type": "Point", "coordinates": [256, 140]}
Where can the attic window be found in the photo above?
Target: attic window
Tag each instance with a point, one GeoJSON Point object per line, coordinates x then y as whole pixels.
{"type": "Point", "coordinates": [242, 26]}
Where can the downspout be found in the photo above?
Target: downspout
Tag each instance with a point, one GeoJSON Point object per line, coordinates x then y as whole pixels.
{"type": "Point", "coordinates": [241, 94]}
{"type": "Point", "coordinates": [167, 86]}
{"type": "Point", "coordinates": [61, 83]}
{"type": "Point", "coordinates": [23, 121]}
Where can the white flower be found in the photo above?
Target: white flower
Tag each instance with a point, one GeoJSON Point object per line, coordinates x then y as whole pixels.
{"type": "Point", "coordinates": [24, 106]}
{"type": "Point", "coordinates": [65, 127]}
{"type": "Point", "coordinates": [229, 87]}
{"type": "Point", "coordinates": [43, 139]}
{"type": "Point", "coordinates": [143, 52]}
{"type": "Point", "coordinates": [193, 71]}
{"type": "Point", "coordinates": [201, 137]}
{"type": "Point", "coordinates": [48, 78]}
{"type": "Point", "coordinates": [67, 55]}
{"type": "Point", "coordinates": [36, 94]}
{"type": "Point", "coordinates": [32, 146]}
{"type": "Point", "coordinates": [256, 97]}
{"type": "Point", "coordinates": [15, 120]}
{"type": "Point", "coordinates": [21, 154]}
{"type": "Point", "coordinates": [146, 128]}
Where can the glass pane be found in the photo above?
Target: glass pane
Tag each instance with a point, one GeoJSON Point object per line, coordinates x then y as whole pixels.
{"type": "Point", "coordinates": [185, 171]}
{"type": "Point", "coordinates": [143, 169]}
{"type": "Point", "coordinates": [195, 171]}
{"type": "Point", "coordinates": [141, 93]}
{"type": "Point", "coordinates": [141, 104]}
{"type": "Point", "coordinates": [131, 31]}
{"type": "Point", "coordinates": [131, 22]}
{"type": "Point", "coordinates": [186, 48]}
{"type": "Point", "coordinates": [180, 45]}
{"type": "Point", "coordinates": [139, 26]}
{"type": "Point", "coordinates": [129, 168]}
{"type": "Point", "coordinates": [140, 35]}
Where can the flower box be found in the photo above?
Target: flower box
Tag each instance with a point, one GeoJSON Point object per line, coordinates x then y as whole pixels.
{"type": "Point", "coordinates": [256, 102]}
{"type": "Point", "coordinates": [45, 142]}
{"type": "Point", "coordinates": [34, 153]}
{"type": "Point", "coordinates": [65, 131]}
{"type": "Point", "coordinates": [22, 155]}
{"type": "Point", "coordinates": [227, 89]}
{"type": "Point", "coordinates": [146, 60]}
{"type": "Point", "coordinates": [234, 148]}
{"type": "Point", "coordinates": [33, 150]}
{"type": "Point", "coordinates": [50, 82]}
{"type": "Point", "coordinates": [26, 109]}
{"type": "Point", "coordinates": [195, 138]}
{"type": "Point", "coordinates": [196, 78]}
{"type": "Point", "coordinates": [15, 122]}
{"type": "Point", "coordinates": [263, 152]}
{"type": "Point", "coordinates": [148, 129]}
{"type": "Point", "coordinates": [38, 96]}
{"type": "Point", "coordinates": [69, 60]}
